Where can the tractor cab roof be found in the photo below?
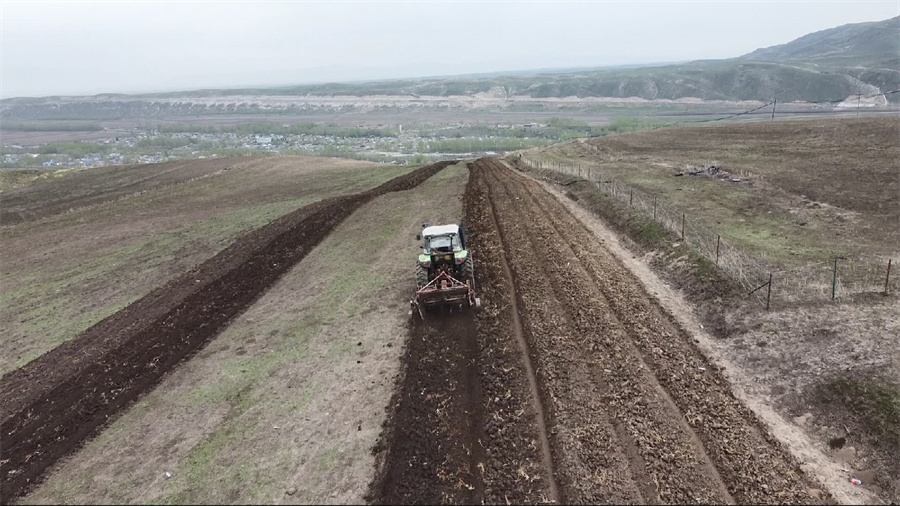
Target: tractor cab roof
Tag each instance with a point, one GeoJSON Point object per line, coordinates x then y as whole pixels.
{"type": "Point", "coordinates": [440, 230]}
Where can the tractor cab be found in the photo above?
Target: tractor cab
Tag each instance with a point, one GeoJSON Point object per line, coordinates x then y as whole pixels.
{"type": "Point", "coordinates": [442, 239]}
{"type": "Point", "coordinates": [443, 249]}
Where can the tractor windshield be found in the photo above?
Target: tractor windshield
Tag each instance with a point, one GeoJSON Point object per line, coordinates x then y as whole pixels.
{"type": "Point", "coordinates": [443, 244]}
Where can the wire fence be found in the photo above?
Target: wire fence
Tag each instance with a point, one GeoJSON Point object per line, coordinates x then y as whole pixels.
{"type": "Point", "coordinates": [821, 280]}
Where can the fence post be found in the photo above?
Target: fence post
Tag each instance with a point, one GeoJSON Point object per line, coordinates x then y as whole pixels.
{"type": "Point", "coordinates": [887, 277]}
{"type": "Point", "coordinates": [834, 278]}
{"type": "Point", "coordinates": [682, 226]}
{"type": "Point", "coordinates": [718, 240]}
{"type": "Point", "coordinates": [631, 199]}
{"type": "Point", "coordinates": [769, 292]}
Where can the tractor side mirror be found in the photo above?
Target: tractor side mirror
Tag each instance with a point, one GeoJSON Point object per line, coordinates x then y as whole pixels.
{"type": "Point", "coordinates": [418, 237]}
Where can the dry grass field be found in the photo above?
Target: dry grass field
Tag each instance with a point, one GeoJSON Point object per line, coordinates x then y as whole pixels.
{"type": "Point", "coordinates": [91, 242]}
{"type": "Point", "coordinates": [808, 189]}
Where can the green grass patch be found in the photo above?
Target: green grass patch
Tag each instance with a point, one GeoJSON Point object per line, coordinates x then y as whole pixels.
{"type": "Point", "coordinates": [11, 179]}
{"type": "Point", "coordinates": [74, 149]}
{"type": "Point", "coordinates": [327, 459]}
{"type": "Point", "coordinates": [268, 128]}
{"type": "Point", "coordinates": [651, 232]}
{"type": "Point", "coordinates": [875, 404]}
{"type": "Point", "coordinates": [207, 462]}
{"type": "Point", "coordinates": [480, 145]}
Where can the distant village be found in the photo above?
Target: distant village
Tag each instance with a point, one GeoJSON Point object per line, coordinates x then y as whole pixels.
{"type": "Point", "coordinates": [394, 145]}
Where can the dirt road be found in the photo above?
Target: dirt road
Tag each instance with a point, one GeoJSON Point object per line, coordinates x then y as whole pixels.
{"type": "Point", "coordinates": [570, 385]}
{"type": "Point", "coordinates": [52, 404]}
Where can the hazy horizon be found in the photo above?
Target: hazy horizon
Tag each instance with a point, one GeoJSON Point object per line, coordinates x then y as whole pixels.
{"type": "Point", "coordinates": [86, 48]}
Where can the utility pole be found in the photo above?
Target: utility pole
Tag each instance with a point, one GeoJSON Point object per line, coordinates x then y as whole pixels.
{"type": "Point", "coordinates": [774, 102]}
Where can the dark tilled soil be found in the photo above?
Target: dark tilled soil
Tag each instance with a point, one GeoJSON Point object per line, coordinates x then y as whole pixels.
{"type": "Point", "coordinates": [432, 415]}
{"type": "Point", "coordinates": [436, 418]}
{"type": "Point", "coordinates": [518, 462]}
{"type": "Point", "coordinates": [603, 399]}
{"type": "Point", "coordinates": [54, 403]}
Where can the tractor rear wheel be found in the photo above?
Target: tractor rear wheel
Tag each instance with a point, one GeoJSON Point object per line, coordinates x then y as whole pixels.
{"type": "Point", "coordinates": [468, 270]}
{"type": "Point", "coordinates": [421, 276]}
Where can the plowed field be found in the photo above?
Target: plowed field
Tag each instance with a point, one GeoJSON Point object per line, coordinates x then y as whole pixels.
{"type": "Point", "coordinates": [52, 404]}
{"type": "Point", "coordinates": [570, 385]}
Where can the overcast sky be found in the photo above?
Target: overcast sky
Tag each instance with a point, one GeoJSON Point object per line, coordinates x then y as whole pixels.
{"type": "Point", "coordinates": [77, 47]}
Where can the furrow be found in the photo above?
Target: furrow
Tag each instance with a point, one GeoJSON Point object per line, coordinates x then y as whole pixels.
{"type": "Point", "coordinates": [518, 331]}
{"type": "Point", "coordinates": [663, 437]}
{"type": "Point", "coordinates": [591, 463]}
{"type": "Point", "coordinates": [752, 465]}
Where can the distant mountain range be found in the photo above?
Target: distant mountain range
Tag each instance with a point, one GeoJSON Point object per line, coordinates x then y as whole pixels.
{"type": "Point", "coordinates": [822, 66]}
{"type": "Point", "coordinates": [870, 45]}
{"type": "Point", "coordinates": [825, 66]}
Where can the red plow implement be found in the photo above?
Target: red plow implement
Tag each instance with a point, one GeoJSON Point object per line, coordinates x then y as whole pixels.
{"type": "Point", "coordinates": [444, 290]}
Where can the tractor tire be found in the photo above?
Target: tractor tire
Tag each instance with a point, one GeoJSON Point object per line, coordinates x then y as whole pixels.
{"type": "Point", "coordinates": [468, 270]}
{"type": "Point", "coordinates": [421, 277]}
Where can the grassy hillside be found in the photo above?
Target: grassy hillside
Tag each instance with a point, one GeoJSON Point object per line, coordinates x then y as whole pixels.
{"type": "Point", "coordinates": [713, 80]}
{"type": "Point", "coordinates": [857, 45]}
{"type": "Point", "coordinates": [57, 268]}
{"type": "Point", "coordinates": [808, 190]}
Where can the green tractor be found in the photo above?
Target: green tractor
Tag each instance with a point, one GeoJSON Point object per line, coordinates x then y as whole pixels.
{"type": "Point", "coordinates": [445, 274]}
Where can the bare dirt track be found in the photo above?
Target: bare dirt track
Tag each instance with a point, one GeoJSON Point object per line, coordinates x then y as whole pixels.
{"type": "Point", "coordinates": [51, 405]}
{"type": "Point", "coordinates": [587, 390]}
